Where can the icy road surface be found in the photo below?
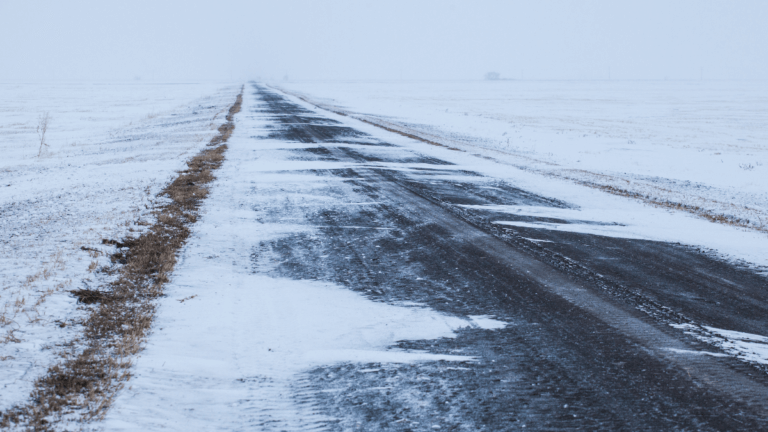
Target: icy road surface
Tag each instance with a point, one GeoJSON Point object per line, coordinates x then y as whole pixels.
{"type": "Point", "coordinates": [345, 278]}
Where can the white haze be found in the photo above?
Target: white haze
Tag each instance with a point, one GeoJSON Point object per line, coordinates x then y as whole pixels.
{"type": "Point", "coordinates": [175, 40]}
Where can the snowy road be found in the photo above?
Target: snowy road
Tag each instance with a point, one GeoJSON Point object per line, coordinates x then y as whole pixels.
{"type": "Point", "coordinates": [340, 281]}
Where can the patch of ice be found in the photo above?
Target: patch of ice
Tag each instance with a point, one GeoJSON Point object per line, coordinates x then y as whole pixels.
{"type": "Point", "coordinates": [487, 322]}
{"type": "Point", "coordinates": [691, 352]}
{"type": "Point", "coordinates": [734, 335]}
{"type": "Point", "coordinates": [410, 303]}
{"type": "Point", "coordinates": [602, 230]}
{"type": "Point", "coordinates": [745, 346]}
{"type": "Point", "coordinates": [540, 211]}
{"type": "Point", "coordinates": [537, 240]}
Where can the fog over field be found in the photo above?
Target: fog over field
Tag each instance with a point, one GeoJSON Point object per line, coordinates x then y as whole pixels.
{"type": "Point", "coordinates": [347, 39]}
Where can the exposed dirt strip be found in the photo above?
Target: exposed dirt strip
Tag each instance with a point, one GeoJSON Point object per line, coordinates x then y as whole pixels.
{"type": "Point", "coordinates": [85, 382]}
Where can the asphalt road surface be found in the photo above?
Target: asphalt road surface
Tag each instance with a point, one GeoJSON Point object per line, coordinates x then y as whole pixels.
{"type": "Point", "coordinates": [590, 343]}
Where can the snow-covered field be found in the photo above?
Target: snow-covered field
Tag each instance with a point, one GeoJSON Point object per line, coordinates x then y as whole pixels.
{"type": "Point", "coordinates": [700, 145]}
{"type": "Point", "coordinates": [110, 149]}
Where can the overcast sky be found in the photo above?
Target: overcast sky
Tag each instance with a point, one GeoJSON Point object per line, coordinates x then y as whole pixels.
{"type": "Point", "coordinates": [388, 39]}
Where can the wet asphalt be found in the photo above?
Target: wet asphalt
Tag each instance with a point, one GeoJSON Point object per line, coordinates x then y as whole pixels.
{"type": "Point", "coordinates": [589, 345]}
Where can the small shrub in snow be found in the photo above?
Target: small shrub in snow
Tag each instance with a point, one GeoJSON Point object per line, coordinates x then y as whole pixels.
{"type": "Point", "coordinates": [42, 128]}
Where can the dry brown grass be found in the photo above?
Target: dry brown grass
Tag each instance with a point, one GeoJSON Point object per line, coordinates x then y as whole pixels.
{"type": "Point", "coordinates": [25, 300]}
{"type": "Point", "coordinates": [121, 313]}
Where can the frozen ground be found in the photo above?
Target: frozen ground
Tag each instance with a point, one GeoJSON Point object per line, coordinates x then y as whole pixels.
{"type": "Point", "coordinates": [111, 148]}
{"type": "Point", "coordinates": [702, 145]}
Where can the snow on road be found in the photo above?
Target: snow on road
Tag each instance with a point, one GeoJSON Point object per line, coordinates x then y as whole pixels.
{"type": "Point", "coordinates": [110, 149]}
{"type": "Point", "coordinates": [231, 357]}
{"type": "Point", "coordinates": [589, 211]}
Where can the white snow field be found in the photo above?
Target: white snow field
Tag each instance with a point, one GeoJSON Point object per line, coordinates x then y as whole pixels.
{"type": "Point", "coordinates": [699, 144]}
{"type": "Point", "coordinates": [110, 150]}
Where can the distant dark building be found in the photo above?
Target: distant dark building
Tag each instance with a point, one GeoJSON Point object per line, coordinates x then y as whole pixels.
{"type": "Point", "coordinates": [492, 76]}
